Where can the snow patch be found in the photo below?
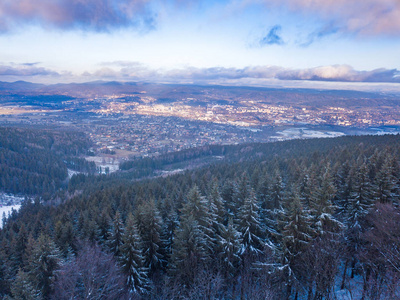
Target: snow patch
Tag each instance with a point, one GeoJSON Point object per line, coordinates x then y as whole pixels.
{"type": "Point", "coordinates": [7, 210]}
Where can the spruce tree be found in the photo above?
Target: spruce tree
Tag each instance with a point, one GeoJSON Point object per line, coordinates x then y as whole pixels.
{"type": "Point", "coordinates": [217, 210]}
{"type": "Point", "coordinates": [44, 262]}
{"type": "Point", "coordinates": [249, 226]}
{"type": "Point", "coordinates": [150, 225]}
{"type": "Point", "coordinates": [197, 206]}
{"type": "Point", "coordinates": [357, 208]}
{"type": "Point", "coordinates": [189, 251]}
{"type": "Point", "coordinates": [384, 182]}
{"type": "Point", "coordinates": [22, 288]}
{"type": "Point", "coordinates": [115, 234]}
{"type": "Point", "coordinates": [321, 206]}
{"type": "Point", "coordinates": [132, 259]}
{"type": "Point", "coordinates": [230, 246]}
{"type": "Point", "coordinates": [296, 236]}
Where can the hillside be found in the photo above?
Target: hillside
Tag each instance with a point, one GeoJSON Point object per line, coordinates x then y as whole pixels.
{"type": "Point", "coordinates": [288, 220]}
{"type": "Point", "coordinates": [35, 162]}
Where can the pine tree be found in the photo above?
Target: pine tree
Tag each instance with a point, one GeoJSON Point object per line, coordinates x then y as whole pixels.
{"type": "Point", "coordinates": [132, 259]}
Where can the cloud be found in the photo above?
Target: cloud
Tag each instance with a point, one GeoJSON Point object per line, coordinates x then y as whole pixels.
{"type": "Point", "coordinates": [25, 70]}
{"type": "Point", "coordinates": [363, 18]}
{"type": "Point", "coordinates": [342, 73]}
{"type": "Point", "coordinates": [90, 15]}
{"type": "Point", "coordinates": [336, 73]}
{"type": "Point", "coordinates": [272, 37]}
{"type": "Point", "coordinates": [134, 71]}
{"type": "Point", "coordinates": [327, 30]}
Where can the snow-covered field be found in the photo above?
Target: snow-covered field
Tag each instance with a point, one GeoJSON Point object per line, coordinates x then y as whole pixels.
{"type": "Point", "coordinates": [7, 210]}
{"type": "Point", "coordinates": [308, 133]}
{"type": "Point", "coordinates": [105, 162]}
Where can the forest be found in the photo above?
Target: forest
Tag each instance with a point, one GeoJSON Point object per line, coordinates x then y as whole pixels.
{"type": "Point", "coordinates": [305, 219]}
{"type": "Point", "coordinates": [35, 161]}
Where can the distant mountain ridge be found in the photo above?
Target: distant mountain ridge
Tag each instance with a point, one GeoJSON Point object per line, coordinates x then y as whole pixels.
{"type": "Point", "coordinates": [203, 93]}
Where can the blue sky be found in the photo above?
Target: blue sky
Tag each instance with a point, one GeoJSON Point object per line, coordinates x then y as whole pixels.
{"type": "Point", "coordinates": [252, 42]}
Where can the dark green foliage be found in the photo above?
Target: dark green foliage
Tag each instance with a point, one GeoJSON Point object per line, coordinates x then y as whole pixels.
{"type": "Point", "coordinates": [229, 249]}
{"type": "Point", "coordinates": [23, 289]}
{"type": "Point", "coordinates": [114, 239]}
{"type": "Point", "coordinates": [304, 207]}
{"type": "Point", "coordinates": [149, 224]}
{"type": "Point", "coordinates": [36, 161]}
{"type": "Point", "coordinates": [249, 225]}
{"type": "Point", "coordinates": [44, 261]}
{"type": "Point", "coordinates": [132, 259]}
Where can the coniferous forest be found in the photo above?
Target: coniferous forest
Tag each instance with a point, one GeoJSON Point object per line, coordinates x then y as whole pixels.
{"type": "Point", "coordinates": [305, 219]}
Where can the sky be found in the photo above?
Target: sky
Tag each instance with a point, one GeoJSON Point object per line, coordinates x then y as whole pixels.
{"type": "Point", "coordinates": [240, 42]}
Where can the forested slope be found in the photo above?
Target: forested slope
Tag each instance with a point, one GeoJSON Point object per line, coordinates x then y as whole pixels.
{"type": "Point", "coordinates": [290, 220]}
{"type": "Point", "coordinates": [35, 162]}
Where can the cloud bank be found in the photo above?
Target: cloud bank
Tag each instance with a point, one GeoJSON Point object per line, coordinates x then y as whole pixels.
{"type": "Point", "coordinates": [90, 15]}
{"type": "Point", "coordinates": [25, 70]}
{"type": "Point", "coordinates": [128, 71]}
{"type": "Point", "coordinates": [339, 73]}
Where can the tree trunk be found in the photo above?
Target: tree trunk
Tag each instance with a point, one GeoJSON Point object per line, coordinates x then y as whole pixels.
{"type": "Point", "coordinates": [365, 287]}
{"type": "Point", "coordinates": [288, 291]}
{"type": "Point", "coordinates": [310, 291]}
{"type": "Point", "coordinates": [344, 275]}
{"type": "Point", "coordinates": [353, 268]}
